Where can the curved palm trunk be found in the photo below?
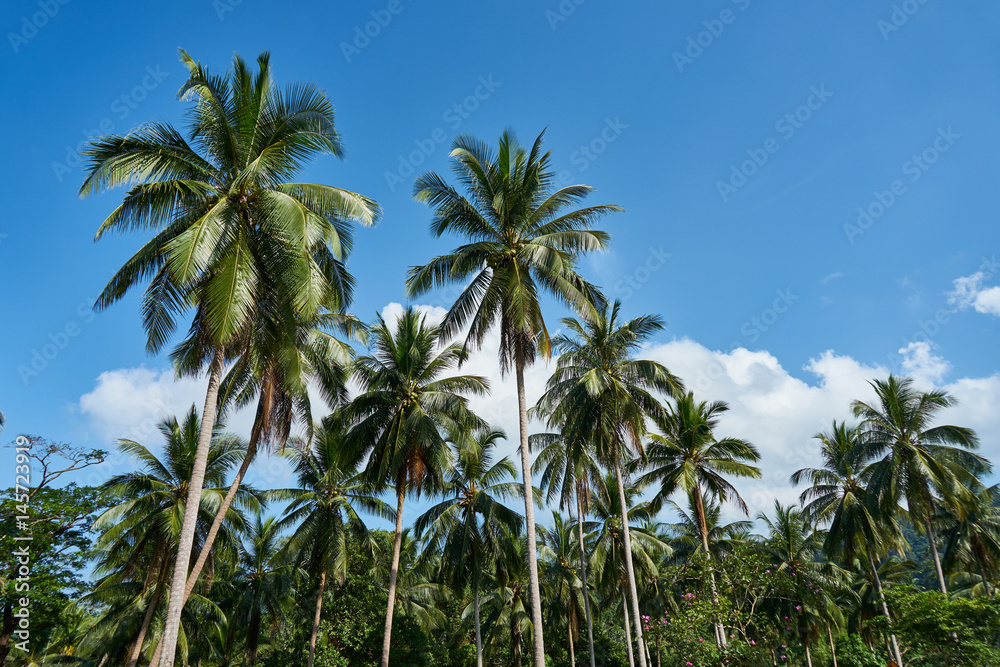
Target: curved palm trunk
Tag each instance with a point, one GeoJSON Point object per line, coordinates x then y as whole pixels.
{"type": "Point", "coordinates": [932, 541]}
{"type": "Point", "coordinates": [833, 649]}
{"type": "Point", "coordinates": [699, 506]}
{"type": "Point", "coordinates": [583, 572]}
{"type": "Point", "coordinates": [885, 610]}
{"type": "Point", "coordinates": [220, 516]}
{"type": "Point", "coordinates": [628, 632]}
{"type": "Point", "coordinates": [630, 570]}
{"type": "Point", "coordinates": [133, 659]}
{"type": "Point", "coordinates": [396, 544]}
{"type": "Point", "coordinates": [479, 631]}
{"type": "Point", "coordinates": [319, 611]}
{"type": "Point", "coordinates": [529, 514]}
{"type": "Point", "coordinates": [178, 582]}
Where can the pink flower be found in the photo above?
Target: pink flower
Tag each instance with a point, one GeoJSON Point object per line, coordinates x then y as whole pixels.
{"type": "Point", "coordinates": [798, 607]}
{"type": "Point", "coordinates": [700, 639]}
{"type": "Point", "coordinates": [753, 643]}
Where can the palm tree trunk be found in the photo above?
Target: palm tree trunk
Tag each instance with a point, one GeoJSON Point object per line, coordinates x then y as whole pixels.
{"type": "Point", "coordinates": [885, 609]}
{"type": "Point", "coordinates": [932, 541]}
{"type": "Point", "coordinates": [319, 611]}
{"type": "Point", "coordinates": [220, 516]}
{"type": "Point", "coordinates": [133, 659]}
{"type": "Point", "coordinates": [699, 507]}
{"type": "Point", "coordinates": [572, 650]}
{"type": "Point", "coordinates": [833, 649]}
{"type": "Point", "coordinates": [253, 638]}
{"type": "Point", "coordinates": [396, 545]}
{"type": "Point", "coordinates": [479, 630]}
{"type": "Point", "coordinates": [583, 573]}
{"type": "Point", "coordinates": [982, 573]}
{"type": "Point", "coordinates": [630, 570]}
{"type": "Point", "coordinates": [628, 632]}
{"type": "Point", "coordinates": [809, 659]}
{"type": "Point", "coordinates": [529, 513]}
{"type": "Point", "coordinates": [178, 582]}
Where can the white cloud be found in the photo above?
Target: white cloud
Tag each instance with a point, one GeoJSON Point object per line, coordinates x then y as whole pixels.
{"type": "Point", "coordinates": [769, 406]}
{"type": "Point", "coordinates": [969, 292]}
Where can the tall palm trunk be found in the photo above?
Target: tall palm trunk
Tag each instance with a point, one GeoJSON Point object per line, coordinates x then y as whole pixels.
{"type": "Point", "coordinates": [319, 611]}
{"type": "Point", "coordinates": [396, 545]}
{"type": "Point", "coordinates": [479, 630]}
{"type": "Point", "coordinates": [885, 609]}
{"type": "Point", "coordinates": [630, 570]}
{"type": "Point", "coordinates": [699, 506]}
{"type": "Point", "coordinates": [583, 572]}
{"type": "Point", "coordinates": [569, 631]}
{"type": "Point", "coordinates": [178, 582]}
{"type": "Point", "coordinates": [628, 632]}
{"type": "Point", "coordinates": [809, 658]}
{"type": "Point", "coordinates": [253, 640]}
{"type": "Point", "coordinates": [220, 516]}
{"type": "Point", "coordinates": [529, 513]}
{"type": "Point", "coordinates": [515, 640]}
{"type": "Point", "coordinates": [160, 582]}
{"type": "Point", "coordinates": [982, 574]}
{"type": "Point", "coordinates": [932, 542]}
{"type": "Point", "coordinates": [833, 649]}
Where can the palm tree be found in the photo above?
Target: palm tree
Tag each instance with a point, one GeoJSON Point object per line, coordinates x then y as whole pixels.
{"type": "Point", "coordinates": [506, 605]}
{"type": "Point", "coordinates": [612, 553]}
{"type": "Point", "coordinates": [230, 230]}
{"type": "Point", "coordinates": [599, 394]}
{"type": "Point", "coordinates": [838, 494]}
{"type": "Point", "coordinates": [140, 534]}
{"type": "Point", "coordinates": [917, 459]}
{"type": "Point", "coordinates": [524, 238]}
{"type": "Point", "coordinates": [722, 537]}
{"type": "Point", "coordinates": [464, 527]}
{"type": "Point", "coordinates": [568, 470]}
{"type": "Point", "coordinates": [403, 409]}
{"type": "Point", "coordinates": [324, 510]}
{"type": "Point", "coordinates": [560, 577]}
{"type": "Point", "coordinates": [264, 584]}
{"type": "Point", "coordinates": [972, 534]}
{"type": "Point", "coordinates": [687, 457]}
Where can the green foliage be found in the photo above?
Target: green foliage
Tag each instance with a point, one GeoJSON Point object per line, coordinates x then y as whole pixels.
{"type": "Point", "coordinates": [852, 652]}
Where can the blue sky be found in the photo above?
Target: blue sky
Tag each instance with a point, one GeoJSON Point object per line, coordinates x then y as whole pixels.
{"type": "Point", "coordinates": [741, 138]}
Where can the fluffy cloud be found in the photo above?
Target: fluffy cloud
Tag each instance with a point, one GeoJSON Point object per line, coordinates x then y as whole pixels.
{"type": "Point", "coordinates": [777, 410]}
{"type": "Point", "coordinates": [969, 292]}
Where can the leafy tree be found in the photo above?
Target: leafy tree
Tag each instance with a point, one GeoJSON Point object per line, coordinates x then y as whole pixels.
{"type": "Point", "coordinates": [972, 534]}
{"type": "Point", "coordinates": [523, 239]}
{"type": "Point", "coordinates": [230, 231]}
{"type": "Point", "coordinates": [917, 459]}
{"type": "Point", "coordinates": [404, 407]}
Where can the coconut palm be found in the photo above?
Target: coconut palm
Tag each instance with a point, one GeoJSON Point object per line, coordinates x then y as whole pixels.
{"type": "Point", "coordinates": [687, 457]}
{"type": "Point", "coordinates": [139, 536]}
{"type": "Point", "coordinates": [324, 510]}
{"type": "Point", "coordinates": [560, 577]}
{"type": "Point", "coordinates": [464, 527]}
{"type": "Point", "coordinates": [917, 460]}
{"type": "Point", "coordinates": [230, 229]}
{"type": "Point", "coordinates": [858, 530]}
{"type": "Point", "coordinates": [569, 471]}
{"type": "Point", "coordinates": [505, 606]}
{"type": "Point", "coordinates": [599, 394]}
{"type": "Point", "coordinates": [686, 531]}
{"type": "Point", "coordinates": [972, 534]}
{"type": "Point", "coordinates": [404, 408]}
{"type": "Point", "coordinates": [611, 553]}
{"type": "Point", "coordinates": [523, 238]}
{"type": "Point", "coordinates": [264, 585]}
